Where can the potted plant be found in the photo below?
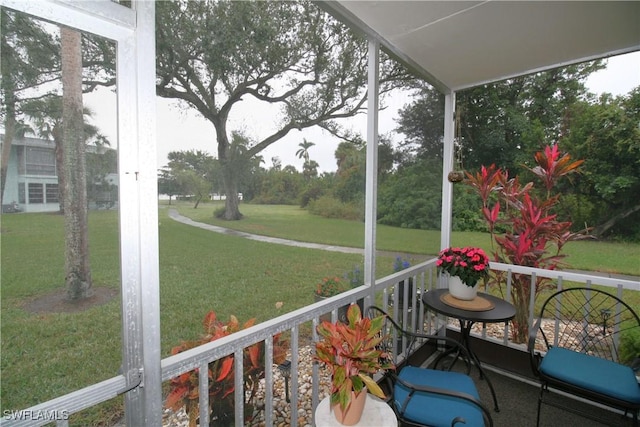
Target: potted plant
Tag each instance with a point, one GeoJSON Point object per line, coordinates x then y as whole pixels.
{"type": "Point", "coordinates": [328, 287]}
{"type": "Point", "coordinates": [184, 390]}
{"type": "Point", "coordinates": [351, 352]}
{"type": "Point", "coordinates": [465, 266]}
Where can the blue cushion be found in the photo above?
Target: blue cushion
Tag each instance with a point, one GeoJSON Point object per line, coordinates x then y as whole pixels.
{"type": "Point", "coordinates": [592, 373]}
{"type": "Point", "coordinates": [433, 409]}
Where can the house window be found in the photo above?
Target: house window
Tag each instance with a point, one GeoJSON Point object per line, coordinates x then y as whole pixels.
{"type": "Point", "coordinates": [51, 193]}
{"type": "Point", "coordinates": [36, 194]}
{"type": "Point", "coordinates": [40, 161]}
{"type": "Point", "coordinates": [21, 193]}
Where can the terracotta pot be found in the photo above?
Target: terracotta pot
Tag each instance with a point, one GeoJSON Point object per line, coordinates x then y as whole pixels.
{"type": "Point", "coordinates": [354, 409]}
{"type": "Point", "coordinates": [458, 289]}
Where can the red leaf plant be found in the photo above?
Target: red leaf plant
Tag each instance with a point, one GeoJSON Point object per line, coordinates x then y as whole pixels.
{"type": "Point", "coordinates": [184, 388]}
{"type": "Point", "coordinates": [351, 351]}
{"type": "Point", "coordinates": [533, 236]}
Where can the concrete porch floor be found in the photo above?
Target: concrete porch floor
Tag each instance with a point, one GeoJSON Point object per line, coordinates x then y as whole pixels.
{"type": "Point", "coordinates": [518, 399]}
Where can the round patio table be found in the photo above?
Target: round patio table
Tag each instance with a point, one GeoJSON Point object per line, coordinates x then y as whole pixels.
{"type": "Point", "coordinates": [493, 310]}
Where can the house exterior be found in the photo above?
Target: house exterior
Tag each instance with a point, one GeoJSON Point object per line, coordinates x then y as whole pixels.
{"type": "Point", "coordinates": [32, 177]}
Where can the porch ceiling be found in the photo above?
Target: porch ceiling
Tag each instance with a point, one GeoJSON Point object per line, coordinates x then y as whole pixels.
{"type": "Point", "coordinates": [460, 44]}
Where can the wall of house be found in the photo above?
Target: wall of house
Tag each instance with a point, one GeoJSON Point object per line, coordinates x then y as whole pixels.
{"type": "Point", "coordinates": [34, 186]}
{"type": "Point", "coordinates": [11, 184]}
{"type": "Point", "coordinates": [32, 191]}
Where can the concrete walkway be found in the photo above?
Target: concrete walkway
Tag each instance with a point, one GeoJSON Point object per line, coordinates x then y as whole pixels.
{"type": "Point", "coordinates": [173, 214]}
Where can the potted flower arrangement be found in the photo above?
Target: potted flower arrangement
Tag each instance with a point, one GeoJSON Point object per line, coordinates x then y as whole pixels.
{"type": "Point", "coordinates": [352, 354]}
{"type": "Point", "coordinates": [465, 267]}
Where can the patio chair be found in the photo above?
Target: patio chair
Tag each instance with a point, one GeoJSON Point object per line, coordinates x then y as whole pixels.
{"type": "Point", "coordinates": [577, 344]}
{"type": "Point", "coordinates": [427, 397]}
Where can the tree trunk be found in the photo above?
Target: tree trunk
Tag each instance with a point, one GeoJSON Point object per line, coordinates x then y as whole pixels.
{"type": "Point", "coordinates": [229, 173]}
{"type": "Point", "coordinates": [604, 227]}
{"type": "Point", "coordinates": [231, 204]}
{"type": "Point", "coordinates": [10, 125]}
{"type": "Point", "coordinates": [78, 273]}
{"type": "Point", "coordinates": [9, 100]}
{"type": "Point", "coordinates": [60, 172]}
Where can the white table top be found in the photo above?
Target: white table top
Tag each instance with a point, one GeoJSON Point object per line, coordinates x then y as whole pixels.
{"type": "Point", "coordinates": [376, 413]}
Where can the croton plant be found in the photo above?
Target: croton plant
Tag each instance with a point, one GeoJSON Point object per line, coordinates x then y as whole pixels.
{"type": "Point", "coordinates": [524, 225]}
{"type": "Point", "coordinates": [184, 388]}
{"type": "Point", "coordinates": [352, 352]}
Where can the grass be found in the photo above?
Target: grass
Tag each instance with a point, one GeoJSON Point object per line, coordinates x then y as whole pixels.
{"type": "Point", "coordinates": [46, 355]}
{"type": "Point", "coordinates": [292, 222]}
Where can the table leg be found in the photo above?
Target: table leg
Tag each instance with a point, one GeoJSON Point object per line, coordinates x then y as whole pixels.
{"type": "Point", "coordinates": [465, 330]}
{"type": "Point", "coordinates": [455, 359]}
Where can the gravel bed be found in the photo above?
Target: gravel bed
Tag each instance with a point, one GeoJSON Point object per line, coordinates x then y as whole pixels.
{"type": "Point", "coordinates": [282, 410]}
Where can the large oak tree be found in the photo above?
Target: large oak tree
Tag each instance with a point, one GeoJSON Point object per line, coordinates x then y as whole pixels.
{"type": "Point", "coordinates": [215, 54]}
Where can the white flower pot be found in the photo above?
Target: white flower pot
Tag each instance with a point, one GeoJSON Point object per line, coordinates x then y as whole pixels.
{"type": "Point", "coordinates": [459, 290]}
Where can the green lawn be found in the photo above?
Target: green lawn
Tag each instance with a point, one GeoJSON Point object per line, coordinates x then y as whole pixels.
{"type": "Point", "coordinates": [48, 354]}
{"type": "Point", "coordinates": [292, 222]}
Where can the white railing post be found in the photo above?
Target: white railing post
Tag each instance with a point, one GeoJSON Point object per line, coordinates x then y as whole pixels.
{"type": "Point", "coordinates": [447, 166]}
{"type": "Point", "coordinates": [371, 184]}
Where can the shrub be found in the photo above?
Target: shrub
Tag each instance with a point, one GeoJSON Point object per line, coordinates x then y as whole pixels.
{"type": "Point", "coordinates": [330, 207]}
{"type": "Point", "coordinates": [629, 346]}
{"type": "Point", "coordinates": [313, 192]}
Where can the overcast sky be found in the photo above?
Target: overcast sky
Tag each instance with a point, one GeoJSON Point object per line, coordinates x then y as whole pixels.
{"type": "Point", "coordinates": [178, 129]}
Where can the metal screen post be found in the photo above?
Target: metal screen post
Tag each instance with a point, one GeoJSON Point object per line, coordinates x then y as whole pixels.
{"type": "Point", "coordinates": [371, 184]}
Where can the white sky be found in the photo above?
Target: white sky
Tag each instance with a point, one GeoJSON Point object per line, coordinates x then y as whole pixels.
{"type": "Point", "coordinates": [178, 129]}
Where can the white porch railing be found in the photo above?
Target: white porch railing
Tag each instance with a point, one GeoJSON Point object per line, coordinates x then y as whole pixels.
{"type": "Point", "coordinates": [383, 293]}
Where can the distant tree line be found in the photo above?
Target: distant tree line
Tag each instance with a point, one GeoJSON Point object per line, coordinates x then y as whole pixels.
{"type": "Point", "coordinates": [503, 124]}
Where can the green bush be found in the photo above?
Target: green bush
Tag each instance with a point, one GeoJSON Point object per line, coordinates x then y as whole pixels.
{"type": "Point", "coordinates": [219, 212]}
{"type": "Point", "coordinates": [330, 207]}
{"type": "Point", "coordinates": [405, 201]}
{"type": "Point", "coordinates": [629, 346]}
{"type": "Point", "coordinates": [312, 192]}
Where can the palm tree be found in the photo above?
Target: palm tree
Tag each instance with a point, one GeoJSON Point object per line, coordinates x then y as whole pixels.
{"type": "Point", "coordinates": [310, 169]}
{"type": "Point", "coordinates": [78, 271]}
{"type": "Point", "coordinates": [303, 152]}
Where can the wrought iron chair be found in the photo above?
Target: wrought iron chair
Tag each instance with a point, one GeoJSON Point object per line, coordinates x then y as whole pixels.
{"type": "Point", "coordinates": [429, 397]}
{"type": "Point", "coordinates": [579, 349]}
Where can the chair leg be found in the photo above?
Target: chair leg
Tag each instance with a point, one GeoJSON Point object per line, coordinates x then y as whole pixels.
{"type": "Point", "coordinates": [542, 390]}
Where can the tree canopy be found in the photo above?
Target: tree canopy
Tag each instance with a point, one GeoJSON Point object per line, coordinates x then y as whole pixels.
{"type": "Point", "coordinates": [214, 54]}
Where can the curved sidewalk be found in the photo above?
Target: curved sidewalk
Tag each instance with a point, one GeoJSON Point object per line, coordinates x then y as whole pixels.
{"type": "Point", "coordinates": [173, 214]}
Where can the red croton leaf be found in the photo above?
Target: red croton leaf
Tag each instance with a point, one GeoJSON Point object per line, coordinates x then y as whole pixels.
{"type": "Point", "coordinates": [227, 364]}
{"type": "Point", "coordinates": [209, 321]}
{"type": "Point", "coordinates": [174, 400]}
{"type": "Point", "coordinates": [254, 355]}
